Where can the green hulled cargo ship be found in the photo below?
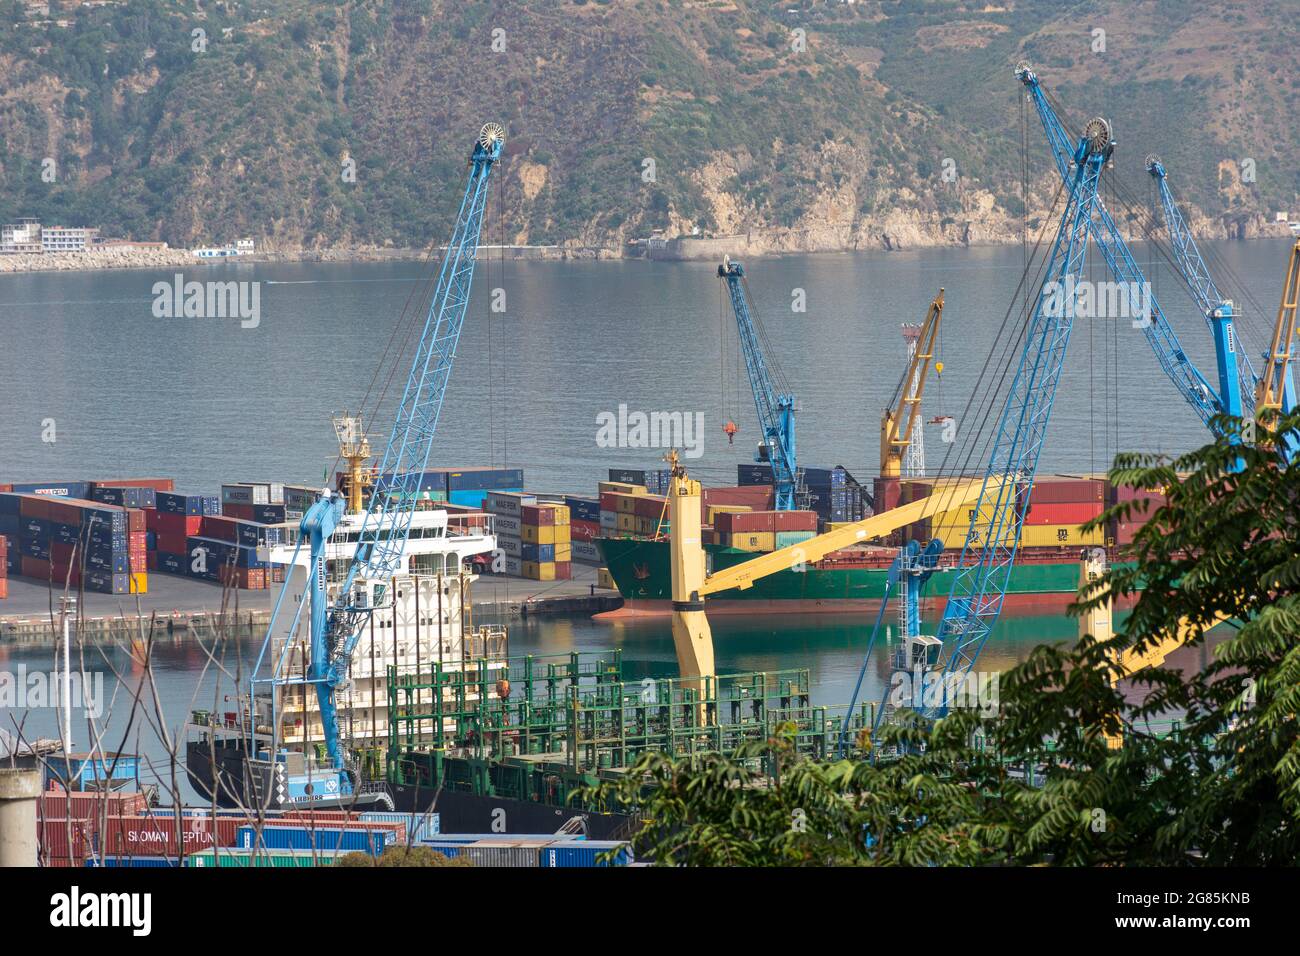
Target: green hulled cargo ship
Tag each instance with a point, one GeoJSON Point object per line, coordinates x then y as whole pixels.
{"type": "Point", "coordinates": [1041, 579]}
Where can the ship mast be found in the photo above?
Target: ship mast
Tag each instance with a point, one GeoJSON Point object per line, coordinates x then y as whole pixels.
{"type": "Point", "coordinates": [354, 449]}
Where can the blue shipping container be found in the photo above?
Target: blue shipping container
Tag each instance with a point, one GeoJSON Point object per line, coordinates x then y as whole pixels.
{"type": "Point", "coordinates": [171, 503]}
{"type": "Point", "coordinates": [57, 489]}
{"type": "Point", "coordinates": [540, 553]}
{"type": "Point", "coordinates": [585, 853]}
{"type": "Point", "coordinates": [158, 862]}
{"type": "Point", "coordinates": [172, 563]}
{"type": "Point", "coordinates": [285, 837]}
{"type": "Point", "coordinates": [489, 479]}
{"type": "Point", "coordinates": [583, 509]}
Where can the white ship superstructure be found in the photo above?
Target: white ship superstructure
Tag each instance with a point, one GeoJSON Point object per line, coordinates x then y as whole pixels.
{"type": "Point", "coordinates": [420, 617]}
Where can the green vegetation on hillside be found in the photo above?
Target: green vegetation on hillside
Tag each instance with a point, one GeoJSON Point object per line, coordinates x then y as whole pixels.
{"type": "Point", "coordinates": [315, 125]}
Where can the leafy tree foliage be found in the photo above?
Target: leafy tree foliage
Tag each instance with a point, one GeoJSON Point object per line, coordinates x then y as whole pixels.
{"type": "Point", "coordinates": [1223, 789]}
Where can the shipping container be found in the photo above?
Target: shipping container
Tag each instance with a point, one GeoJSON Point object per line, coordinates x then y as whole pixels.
{"type": "Point", "coordinates": [621, 487]}
{"type": "Point", "coordinates": [154, 484]}
{"type": "Point", "coordinates": [508, 502]}
{"type": "Point", "coordinates": [586, 551]}
{"type": "Point", "coordinates": [583, 509]}
{"type": "Point", "coordinates": [585, 853]}
{"type": "Point", "coordinates": [1051, 490]}
{"type": "Point", "coordinates": [157, 833]}
{"type": "Point", "coordinates": [60, 489]}
{"type": "Point", "coordinates": [364, 837]}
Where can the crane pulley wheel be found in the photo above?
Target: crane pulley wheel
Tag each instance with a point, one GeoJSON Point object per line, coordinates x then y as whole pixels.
{"type": "Point", "coordinates": [491, 134]}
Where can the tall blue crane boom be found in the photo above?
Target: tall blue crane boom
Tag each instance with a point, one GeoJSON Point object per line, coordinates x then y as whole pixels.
{"type": "Point", "coordinates": [335, 630]}
{"type": "Point", "coordinates": [1187, 378]}
{"type": "Point", "coordinates": [978, 588]}
{"type": "Point", "coordinates": [774, 404]}
{"type": "Point", "coordinates": [1236, 376]}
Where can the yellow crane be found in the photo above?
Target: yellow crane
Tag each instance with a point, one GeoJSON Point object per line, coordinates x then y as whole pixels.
{"type": "Point", "coordinates": [692, 637]}
{"type": "Point", "coordinates": [1098, 622]}
{"type": "Point", "coordinates": [1269, 391]}
{"type": "Point", "coordinates": [904, 409]}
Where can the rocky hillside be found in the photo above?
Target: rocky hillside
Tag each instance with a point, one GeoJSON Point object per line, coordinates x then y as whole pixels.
{"type": "Point", "coordinates": [806, 125]}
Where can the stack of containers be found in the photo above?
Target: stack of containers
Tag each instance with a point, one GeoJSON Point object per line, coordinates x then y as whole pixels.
{"type": "Point", "coordinates": [507, 509]}
{"type": "Point", "coordinates": [1140, 513]}
{"type": "Point", "coordinates": [461, 486]}
{"type": "Point", "coordinates": [834, 494]}
{"type": "Point", "coordinates": [226, 550]}
{"type": "Point", "coordinates": [635, 513]}
{"type": "Point", "coordinates": [763, 530]}
{"type": "Point", "coordinates": [4, 567]}
{"type": "Point", "coordinates": [88, 544]}
{"type": "Point", "coordinates": [655, 481]}
{"type": "Point", "coordinates": [610, 494]}
{"type": "Point", "coordinates": [1057, 509]}
{"type": "Point", "coordinates": [545, 542]}
{"type": "Point", "coordinates": [584, 528]}
{"type": "Point", "coordinates": [175, 519]}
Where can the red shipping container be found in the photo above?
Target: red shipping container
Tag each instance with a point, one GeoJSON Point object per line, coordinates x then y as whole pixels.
{"type": "Point", "coordinates": [741, 522]}
{"type": "Point", "coordinates": [157, 484]}
{"type": "Point", "coordinates": [584, 530]}
{"type": "Point", "coordinates": [651, 506]}
{"type": "Point", "coordinates": [171, 543]}
{"type": "Point", "coordinates": [1062, 513]}
{"type": "Point", "coordinates": [242, 512]}
{"type": "Point", "coordinates": [221, 528]}
{"type": "Point", "coordinates": [795, 520]}
{"type": "Point", "coordinates": [139, 561]}
{"type": "Point", "coordinates": [181, 525]}
{"type": "Point", "coordinates": [887, 494]}
{"type": "Point", "coordinates": [34, 506]}
{"type": "Point", "coordinates": [57, 802]}
{"type": "Point", "coordinates": [64, 841]}
{"type": "Point", "coordinates": [6, 488]}
{"type": "Point", "coordinates": [156, 834]}
{"type": "Point", "coordinates": [609, 500]}
{"type": "Point", "coordinates": [540, 515]}
{"type": "Point", "coordinates": [4, 546]}
{"type": "Point", "coordinates": [135, 519]}
{"type": "Point", "coordinates": [137, 541]}
{"type": "Point", "coordinates": [61, 553]}
{"type": "Point", "coordinates": [64, 513]}
{"type": "Point", "coordinates": [1049, 491]}
{"type": "Point", "coordinates": [563, 570]}
{"type": "Point", "coordinates": [4, 586]}
{"type": "Point", "coordinates": [35, 568]}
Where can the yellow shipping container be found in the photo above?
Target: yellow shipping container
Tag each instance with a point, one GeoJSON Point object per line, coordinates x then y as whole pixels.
{"type": "Point", "coordinates": [1059, 535]}
{"type": "Point", "coordinates": [140, 583]}
{"type": "Point", "coordinates": [544, 534]}
{"type": "Point", "coordinates": [539, 570]}
{"type": "Point", "coordinates": [627, 503]}
{"type": "Point", "coordinates": [622, 488]}
{"type": "Point", "coordinates": [1031, 535]}
{"type": "Point", "coordinates": [563, 552]}
{"type": "Point", "coordinates": [752, 540]}
{"type": "Point", "coordinates": [627, 522]}
{"type": "Point", "coordinates": [715, 510]}
{"type": "Point", "coordinates": [605, 580]}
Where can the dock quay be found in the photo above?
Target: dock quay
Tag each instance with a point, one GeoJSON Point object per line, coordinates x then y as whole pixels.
{"type": "Point", "coordinates": [179, 605]}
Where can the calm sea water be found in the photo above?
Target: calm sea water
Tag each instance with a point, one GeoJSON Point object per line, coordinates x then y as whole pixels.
{"type": "Point", "coordinates": [205, 401]}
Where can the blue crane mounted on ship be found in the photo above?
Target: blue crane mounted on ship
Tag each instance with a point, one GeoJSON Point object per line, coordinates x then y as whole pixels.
{"type": "Point", "coordinates": [335, 628]}
{"type": "Point", "coordinates": [936, 666]}
{"type": "Point", "coordinates": [1243, 391]}
{"type": "Point", "coordinates": [1239, 387]}
{"type": "Point", "coordinates": [773, 400]}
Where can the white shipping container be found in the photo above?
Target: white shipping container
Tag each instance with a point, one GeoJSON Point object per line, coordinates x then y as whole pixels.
{"type": "Point", "coordinates": [510, 545]}
{"type": "Point", "coordinates": [514, 566]}
{"type": "Point", "coordinates": [585, 551]}
{"type": "Point", "coordinates": [609, 519]}
{"type": "Point", "coordinates": [505, 524]}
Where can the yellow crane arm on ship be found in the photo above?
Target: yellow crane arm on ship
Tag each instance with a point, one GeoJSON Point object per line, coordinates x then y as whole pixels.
{"type": "Point", "coordinates": [744, 575]}
{"type": "Point", "coordinates": [900, 417]}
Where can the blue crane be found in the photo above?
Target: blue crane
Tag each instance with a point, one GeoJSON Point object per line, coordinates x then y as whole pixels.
{"type": "Point", "coordinates": [993, 537]}
{"type": "Point", "coordinates": [336, 628]}
{"type": "Point", "coordinates": [772, 398]}
{"type": "Point", "coordinates": [1186, 377]}
{"type": "Point", "coordinates": [1237, 379]}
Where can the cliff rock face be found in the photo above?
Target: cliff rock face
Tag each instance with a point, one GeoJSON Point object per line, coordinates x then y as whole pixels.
{"type": "Point", "coordinates": [800, 126]}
